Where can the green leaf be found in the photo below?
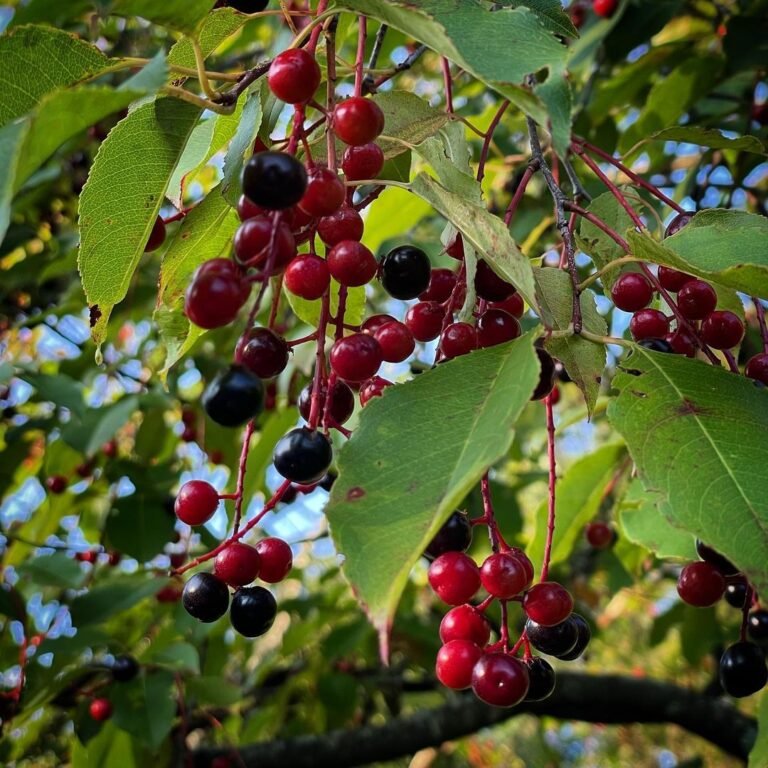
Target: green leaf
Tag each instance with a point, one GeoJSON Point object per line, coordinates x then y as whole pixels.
{"type": "Point", "coordinates": [183, 15]}
{"type": "Point", "coordinates": [146, 707]}
{"type": "Point", "coordinates": [212, 691]}
{"type": "Point", "coordinates": [195, 155]}
{"type": "Point", "coordinates": [583, 360]}
{"type": "Point", "coordinates": [448, 153]}
{"type": "Point", "coordinates": [55, 570]}
{"type": "Point", "coordinates": [758, 757]}
{"type": "Point", "coordinates": [179, 656]}
{"type": "Point", "coordinates": [699, 436]}
{"type": "Point", "coordinates": [110, 748]}
{"type": "Point", "coordinates": [484, 231]}
{"type": "Point", "coordinates": [643, 523]}
{"type": "Point", "coordinates": [578, 495]}
{"type": "Point", "coordinates": [139, 526]}
{"type": "Point", "coordinates": [115, 596]}
{"type": "Point", "coordinates": [121, 199]}
{"type": "Point", "coordinates": [37, 60]}
{"type": "Point", "coordinates": [11, 141]}
{"type": "Point", "coordinates": [217, 27]}
{"type": "Point", "coordinates": [384, 507]}
{"type": "Point", "coordinates": [241, 146]}
{"type": "Point", "coordinates": [396, 212]}
{"type": "Point", "coordinates": [309, 311]}
{"type": "Point", "coordinates": [708, 137]}
{"type": "Point", "coordinates": [262, 449]}
{"type": "Point", "coordinates": [725, 246]}
{"type": "Point", "coordinates": [99, 425]}
{"type": "Point", "coordinates": [551, 14]}
{"type": "Point", "coordinates": [558, 99]}
{"type": "Point", "coordinates": [478, 41]}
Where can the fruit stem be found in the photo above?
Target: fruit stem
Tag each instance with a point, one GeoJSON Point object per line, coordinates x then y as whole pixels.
{"type": "Point", "coordinates": [551, 490]}
{"type": "Point", "coordinates": [595, 276]}
{"type": "Point", "coordinates": [241, 469]}
{"type": "Point", "coordinates": [489, 137]}
{"type": "Point", "coordinates": [362, 36]}
{"type": "Point", "coordinates": [317, 382]}
{"type": "Point", "coordinates": [497, 540]}
{"type": "Point", "coordinates": [533, 166]}
{"type": "Point", "coordinates": [760, 310]}
{"type": "Point", "coordinates": [446, 65]}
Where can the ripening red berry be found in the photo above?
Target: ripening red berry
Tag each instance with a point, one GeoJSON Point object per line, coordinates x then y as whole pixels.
{"type": "Point", "coordinates": [757, 368]}
{"type": "Point", "coordinates": [578, 14]}
{"type": "Point", "coordinates": [196, 503]}
{"type": "Point", "coordinates": [648, 324]}
{"type": "Point", "coordinates": [356, 357]}
{"type": "Point", "coordinates": [677, 223]}
{"type": "Point", "coordinates": [454, 577]}
{"type": "Point", "coordinates": [425, 320]}
{"type": "Point", "coordinates": [263, 352]}
{"type": "Point", "coordinates": [342, 401]}
{"type": "Point", "coordinates": [503, 575]}
{"type": "Point", "coordinates": [700, 584]}
{"type": "Point", "coordinates": [307, 276]}
{"type": "Point", "coordinates": [357, 121]}
{"type": "Point", "coordinates": [696, 299]}
{"type": "Point", "coordinates": [440, 287]}
{"type": "Point", "coordinates": [374, 387]}
{"type": "Point", "coordinates": [682, 342]}
{"type": "Point", "coordinates": [455, 249]}
{"type": "Point", "coordinates": [489, 285]}
{"type": "Point", "coordinates": [351, 263]}
{"type": "Point", "coordinates": [344, 224]}
{"type": "Point", "coordinates": [760, 113]}
{"type": "Point", "coordinates": [254, 243]}
{"type": "Point", "coordinates": [276, 559]}
{"type": "Point", "coordinates": [458, 339]}
{"type": "Point", "coordinates": [57, 484]}
{"type": "Point", "coordinates": [248, 210]}
{"type": "Point", "coordinates": [325, 192]}
{"type": "Point", "coordinates": [548, 603]}
{"type": "Point", "coordinates": [169, 594]}
{"type": "Point", "coordinates": [605, 8]}
{"type": "Point", "coordinates": [465, 622]}
{"type": "Point", "coordinates": [632, 291]}
{"type": "Point", "coordinates": [600, 535]}
{"type": "Point", "coordinates": [455, 662]}
{"type": "Point", "coordinates": [156, 236]}
{"type": "Point", "coordinates": [216, 294]}
{"type": "Point", "coordinates": [495, 326]}
{"type": "Point", "coordinates": [500, 680]}
{"type": "Point", "coordinates": [514, 305]}
{"type": "Point", "coordinates": [189, 435]}
{"type": "Point", "coordinates": [722, 329]}
{"type": "Point", "coordinates": [294, 76]}
{"type": "Point", "coordinates": [100, 710]}
{"type": "Point", "coordinates": [237, 564]}
{"type": "Point", "coordinates": [672, 279]}
{"type": "Point", "coordinates": [396, 341]}
{"type": "Point", "coordinates": [363, 162]}
{"type": "Point", "coordinates": [374, 322]}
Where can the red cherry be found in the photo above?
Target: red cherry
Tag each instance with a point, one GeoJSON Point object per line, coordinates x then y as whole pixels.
{"type": "Point", "coordinates": [682, 342]}
{"type": "Point", "coordinates": [373, 388]}
{"type": "Point", "coordinates": [344, 224]}
{"type": "Point", "coordinates": [548, 603]}
{"type": "Point", "coordinates": [351, 263]}
{"type": "Point", "coordinates": [276, 560]}
{"type": "Point", "coordinates": [696, 299]}
{"type": "Point", "coordinates": [722, 329]}
{"type": "Point", "coordinates": [57, 484]}
{"type": "Point", "coordinates": [455, 662]}
{"type": "Point", "coordinates": [454, 577]}
{"type": "Point", "coordinates": [465, 622]}
{"type": "Point", "coordinates": [196, 502]}
{"type": "Point", "coordinates": [178, 559]}
{"type": "Point", "coordinates": [156, 236]}
{"type": "Point", "coordinates": [425, 320]}
{"type": "Point", "coordinates": [605, 8]}
{"type": "Point", "coordinates": [342, 401]}
{"type": "Point", "coordinates": [458, 339]}
{"type": "Point", "coordinates": [489, 285]}
{"type": "Point", "coordinates": [525, 561]}
{"type": "Point", "coordinates": [248, 210]}
{"type": "Point", "coordinates": [374, 322]}
{"type": "Point", "coordinates": [672, 279]}
{"type": "Point", "coordinates": [357, 121]}
{"type": "Point", "coordinates": [677, 223]}
{"type": "Point", "coordinates": [325, 192]}
{"type": "Point", "coordinates": [215, 295]}
{"type": "Point", "coordinates": [455, 249]}
{"type": "Point", "coordinates": [396, 341]}
{"type": "Point", "coordinates": [578, 14]}
{"type": "Point", "coordinates": [100, 710]}
{"type": "Point", "coordinates": [648, 324]}
{"type": "Point", "coordinates": [514, 305]}
{"type": "Point", "coordinates": [189, 435]}
{"type": "Point", "coordinates": [632, 291]}
{"type": "Point", "coordinates": [109, 449]}
{"type": "Point", "coordinates": [253, 241]}
{"type": "Point", "coordinates": [500, 680]}
{"type": "Point", "coordinates": [495, 326]}
{"type": "Point", "coordinates": [169, 594]}
{"type": "Point", "coordinates": [503, 575]}
{"type": "Point", "coordinates": [600, 535]}
{"type": "Point", "coordinates": [307, 276]}
{"type": "Point", "coordinates": [700, 584]}
{"type": "Point", "coordinates": [238, 564]}
{"type": "Point", "coordinates": [356, 357]}
{"type": "Point", "coordinates": [90, 556]}
{"type": "Point", "coordinates": [264, 353]}
{"type": "Point", "coordinates": [363, 162]}
{"type": "Point", "coordinates": [760, 113]}
{"type": "Point", "coordinates": [757, 368]}
{"type": "Point", "coordinates": [294, 76]}
{"type": "Point", "coordinates": [441, 285]}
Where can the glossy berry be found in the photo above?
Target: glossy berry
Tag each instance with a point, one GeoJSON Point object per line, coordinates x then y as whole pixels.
{"type": "Point", "coordinates": [458, 339]}
{"type": "Point", "coordinates": [396, 341]}
{"type": "Point", "coordinates": [455, 662]}
{"type": "Point", "coordinates": [503, 576]}
{"type": "Point", "coordinates": [656, 345]}
{"type": "Point", "coordinates": [554, 641]}
{"type": "Point", "coordinates": [525, 561]}
{"type": "Point", "coordinates": [294, 76]}
{"type": "Point", "coordinates": [548, 603]}
{"type": "Point", "coordinates": [514, 305]}
{"type": "Point", "coordinates": [357, 121]}
{"type": "Point", "coordinates": [328, 480]}
{"type": "Point", "coordinates": [255, 240]}
{"type": "Point", "coordinates": [605, 8]}
{"type": "Point", "coordinates": [547, 375]}
{"type": "Point", "coordinates": [489, 285]}
{"type": "Point", "coordinates": [700, 584]}
{"type": "Point", "coordinates": [682, 342]}
{"type": "Point", "coordinates": [454, 577]}
{"type": "Point", "coordinates": [253, 611]}
{"type": "Point", "coordinates": [600, 535]}
{"type": "Point", "coordinates": [648, 324]}
{"type": "Point", "coordinates": [374, 322]}
{"type": "Point", "coordinates": [363, 162]}
{"type": "Point", "coordinates": [205, 597]}
{"type": "Point", "coordinates": [465, 622]}
{"type": "Point", "coordinates": [248, 210]}
{"type": "Point", "coordinates": [495, 326]}
{"type": "Point", "coordinates": [578, 14]}
{"type": "Point", "coordinates": [759, 113]}
{"type": "Point", "coordinates": [680, 221]}
{"type": "Point", "coordinates": [736, 594]}
{"type": "Point", "coordinates": [696, 299]}
{"type": "Point", "coordinates": [757, 625]}
{"type": "Point", "coordinates": [632, 291]}
{"type": "Point", "coordinates": [342, 401]}
{"type": "Point", "coordinates": [725, 566]}
{"type": "Point", "coordinates": [156, 236]}
{"type": "Point", "coordinates": [215, 294]}
{"type": "Point", "coordinates": [722, 329]}
{"type": "Point", "coordinates": [274, 180]}
{"type": "Point", "coordinates": [374, 387]}
{"type": "Point", "coordinates": [405, 272]}
{"type": "Point", "coordinates": [325, 192]}
{"type": "Point", "coordinates": [454, 536]}
{"type": "Point", "coordinates": [440, 287]}
{"type": "Point", "coordinates": [57, 484]}
{"type": "Point", "coordinates": [169, 594]}
{"type": "Point", "coordinates": [264, 353]}
{"type": "Point", "coordinates": [356, 357]}
{"type": "Point", "coordinates": [276, 559]}
{"type": "Point", "coordinates": [344, 224]}
{"type": "Point", "coordinates": [351, 263]}
{"type": "Point", "coordinates": [100, 710]}
{"type": "Point", "coordinates": [500, 680]}
{"type": "Point", "coordinates": [541, 679]}
{"type": "Point", "coordinates": [303, 455]}
{"type": "Point", "coordinates": [672, 279]}
{"type": "Point", "coordinates": [124, 668]}
{"type": "Point", "coordinates": [307, 276]}
{"type": "Point", "coordinates": [196, 502]}
{"type": "Point", "coordinates": [234, 397]}
{"type": "Point", "coordinates": [757, 368]}
{"type": "Point", "coordinates": [425, 320]}
{"type": "Point", "coordinates": [237, 564]}
{"type": "Point", "coordinates": [742, 670]}
{"type": "Point", "coordinates": [583, 636]}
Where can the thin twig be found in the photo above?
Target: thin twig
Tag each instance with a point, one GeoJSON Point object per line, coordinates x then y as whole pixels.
{"type": "Point", "coordinates": [378, 43]}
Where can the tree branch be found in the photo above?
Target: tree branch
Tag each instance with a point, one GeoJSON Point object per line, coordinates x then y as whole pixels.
{"type": "Point", "coordinates": [613, 699]}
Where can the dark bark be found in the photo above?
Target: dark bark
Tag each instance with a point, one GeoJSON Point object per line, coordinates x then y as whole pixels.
{"type": "Point", "coordinates": [613, 699]}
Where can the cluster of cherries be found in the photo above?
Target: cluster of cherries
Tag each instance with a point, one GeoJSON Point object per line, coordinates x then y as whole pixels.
{"type": "Point", "coordinates": [703, 584]}
{"type": "Point", "coordinates": [467, 658]}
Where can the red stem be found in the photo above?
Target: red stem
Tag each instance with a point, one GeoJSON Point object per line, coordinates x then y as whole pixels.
{"type": "Point", "coordinates": [446, 65]}
{"type": "Point", "coordinates": [242, 466]}
{"type": "Point", "coordinates": [497, 540]}
{"type": "Point", "coordinates": [760, 310]}
{"type": "Point", "coordinates": [317, 382]}
{"type": "Point", "coordinates": [552, 483]}
{"type": "Point", "coordinates": [488, 138]}
{"type": "Point", "coordinates": [361, 38]}
{"type": "Point", "coordinates": [519, 192]}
